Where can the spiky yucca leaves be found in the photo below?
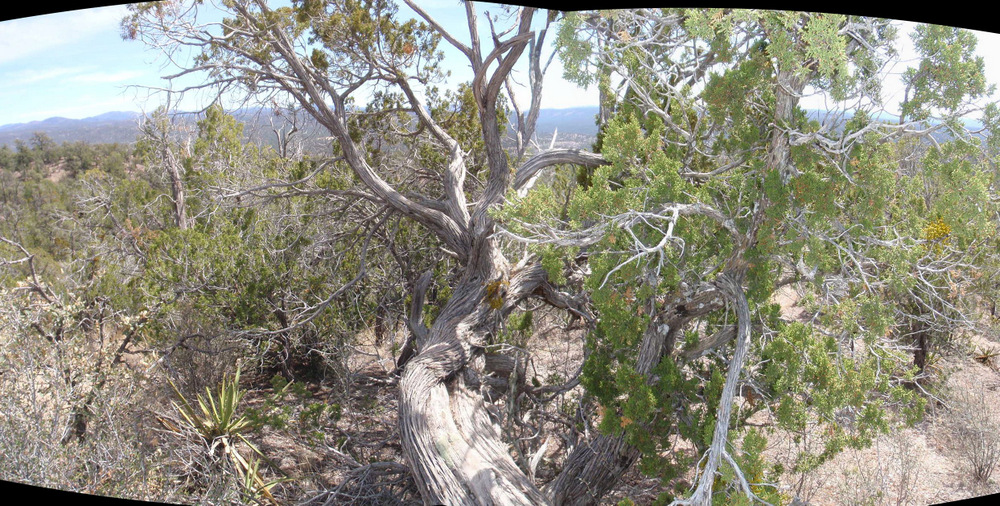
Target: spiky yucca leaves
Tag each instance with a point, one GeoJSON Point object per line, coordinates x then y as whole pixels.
{"type": "Point", "coordinates": [254, 485]}
{"type": "Point", "coordinates": [218, 413]}
{"type": "Point", "coordinates": [217, 422]}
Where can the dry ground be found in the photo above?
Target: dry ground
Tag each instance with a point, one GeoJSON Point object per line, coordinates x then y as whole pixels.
{"type": "Point", "coordinates": [919, 465]}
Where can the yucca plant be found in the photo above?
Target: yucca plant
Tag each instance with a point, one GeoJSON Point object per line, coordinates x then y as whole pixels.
{"type": "Point", "coordinates": [255, 486]}
{"type": "Point", "coordinates": [217, 422]}
{"type": "Point", "coordinates": [218, 413]}
{"type": "Point", "coordinates": [985, 355]}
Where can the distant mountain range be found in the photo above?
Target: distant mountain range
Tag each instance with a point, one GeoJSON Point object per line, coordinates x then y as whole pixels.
{"type": "Point", "coordinates": [109, 127]}
{"type": "Point", "coordinates": [575, 125]}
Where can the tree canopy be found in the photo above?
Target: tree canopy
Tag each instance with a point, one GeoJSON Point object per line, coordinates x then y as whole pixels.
{"type": "Point", "coordinates": [710, 188]}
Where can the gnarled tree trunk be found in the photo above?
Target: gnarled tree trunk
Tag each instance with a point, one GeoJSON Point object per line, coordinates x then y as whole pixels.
{"type": "Point", "coordinates": [453, 448]}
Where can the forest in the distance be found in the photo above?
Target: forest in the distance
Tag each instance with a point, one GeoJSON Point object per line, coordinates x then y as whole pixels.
{"type": "Point", "coordinates": [434, 301]}
{"type": "Point", "coordinates": [573, 126]}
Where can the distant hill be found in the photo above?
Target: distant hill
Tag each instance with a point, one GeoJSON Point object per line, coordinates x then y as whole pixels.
{"type": "Point", "coordinates": [574, 120]}
{"type": "Point", "coordinates": [122, 127]}
{"type": "Point", "coordinates": [575, 126]}
{"type": "Point", "coordinates": [109, 127]}
{"type": "Point", "coordinates": [842, 117]}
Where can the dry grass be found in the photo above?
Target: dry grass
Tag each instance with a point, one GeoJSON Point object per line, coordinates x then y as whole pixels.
{"type": "Point", "coordinates": [947, 457]}
{"type": "Point", "coordinates": [44, 385]}
{"type": "Point", "coordinates": [974, 425]}
{"type": "Point", "coordinates": [888, 479]}
{"type": "Point", "coordinates": [357, 457]}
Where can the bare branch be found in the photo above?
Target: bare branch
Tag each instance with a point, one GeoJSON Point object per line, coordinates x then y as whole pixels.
{"type": "Point", "coordinates": [528, 172]}
{"type": "Point", "coordinates": [731, 286]}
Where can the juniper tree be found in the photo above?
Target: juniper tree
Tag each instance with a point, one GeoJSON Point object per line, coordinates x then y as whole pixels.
{"type": "Point", "coordinates": [712, 188]}
{"type": "Point", "coordinates": [717, 174]}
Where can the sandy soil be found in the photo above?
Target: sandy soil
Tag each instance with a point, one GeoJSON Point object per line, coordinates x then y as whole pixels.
{"type": "Point", "coordinates": [918, 465]}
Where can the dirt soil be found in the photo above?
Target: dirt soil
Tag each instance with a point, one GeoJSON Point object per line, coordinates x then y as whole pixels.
{"type": "Point", "coordinates": [919, 465]}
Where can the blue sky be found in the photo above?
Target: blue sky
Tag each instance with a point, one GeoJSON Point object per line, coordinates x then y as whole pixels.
{"type": "Point", "coordinates": [70, 64]}
{"type": "Point", "coordinates": [75, 64]}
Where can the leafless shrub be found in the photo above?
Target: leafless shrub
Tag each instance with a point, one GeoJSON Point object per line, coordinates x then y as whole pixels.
{"type": "Point", "coordinates": [908, 467]}
{"type": "Point", "coordinates": [379, 483]}
{"type": "Point", "coordinates": [805, 478]}
{"type": "Point", "coordinates": [973, 423]}
{"type": "Point", "coordinates": [197, 474]}
{"type": "Point", "coordinates": [892, 473]}
{"type": "Point", "coordinates": [64, 422]}
{"type": "Point", "coordinates": [864, 485]}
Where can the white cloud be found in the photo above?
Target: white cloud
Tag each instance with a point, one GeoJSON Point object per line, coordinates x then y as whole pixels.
{"type": "Point", "coordinates": [20, 38]}
{"type": "Point", "coordinates": [77, 75]}
{"type": "Point", "coordinates": [32, 76]}
{"type": "Point", "coordinates": [122, 76]}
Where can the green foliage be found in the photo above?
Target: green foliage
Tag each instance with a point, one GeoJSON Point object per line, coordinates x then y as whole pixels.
{"type": "Point", "coordinates": [574, 51]}
{"type": "Point", "coordinates": [220, 266]}
{"type": "Point", "coordinates": [219, 134]}
{"type": "Point", "coordinates": [218, 424]}
{"type": "Point", "coordinates": [856, 213]}
{"type": "Point", "coordinates": [289, 405]}
{"type": "Point", "coordinates": [758, 473]}
{"type": "Point", "coordinates": [958, 189]}
{"type": "Point", "coordinates": [948, 74]}
{"type": "Point", "coordinates": [711, 167]}
{"type": "Point", "coordinates": [815, 380]}
{"type": "Point", "coordinates": [217, 414]}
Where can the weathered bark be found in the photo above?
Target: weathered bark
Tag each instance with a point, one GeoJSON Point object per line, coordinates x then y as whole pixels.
{"type": "Point", "coordinates": [731, 285]}
{"type": "Point", "coordinates": [156, 129]}
{"type": "Point", "coordinates": [454, 450]}
{"type": "Point", "coordinates": [455, 453]}
{"type": "Point", "coordinates": [788, 91]}
{"type": "Point", "coordinates": [595, 468]}
{"type": "Point", "coordinates": [529, 171]}
{"type": "Point", "coordinates": [177, 190]}
{"type": "Point", "coordinates": [921, 345]}
{"type": "Point", "coordinates": [501, 371]}
{"type": "Point", "coordinates": [418, 331]}
{"type": "Point", "coordinates": [592, 470]}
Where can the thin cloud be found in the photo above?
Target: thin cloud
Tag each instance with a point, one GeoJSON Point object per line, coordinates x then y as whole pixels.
{"type": "Point", "coordinates": [21, 38]}
{"type": "Point", "coordinates": [33, 76]}
{"type": "Point", "coordinates": [123, 76]}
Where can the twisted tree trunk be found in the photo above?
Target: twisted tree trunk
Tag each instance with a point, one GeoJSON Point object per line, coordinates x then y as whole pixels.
{"type": "Point", "coordinates": [455, 452]}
